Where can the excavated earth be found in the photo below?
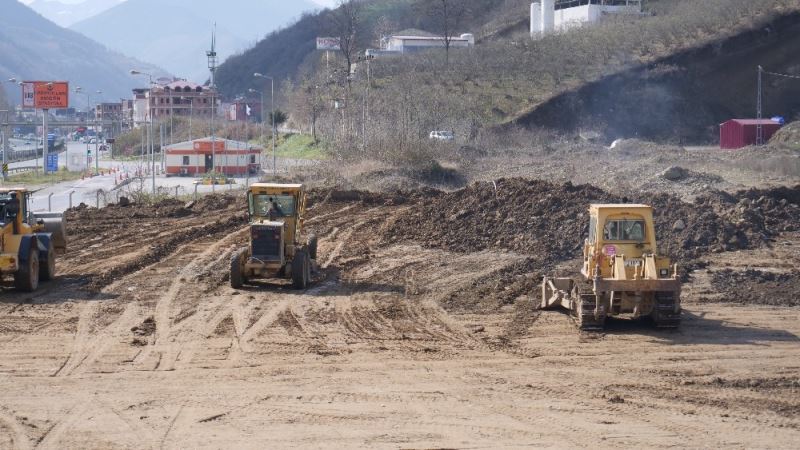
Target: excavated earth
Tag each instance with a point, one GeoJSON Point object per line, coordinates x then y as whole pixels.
{"type": "Point", "coordinates": [421, 329]}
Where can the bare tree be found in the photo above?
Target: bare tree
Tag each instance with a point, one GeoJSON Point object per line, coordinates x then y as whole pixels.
{"type": "Point", "coordinates": [447, 15]}
{"type": "Point", "coordinates": [383, 28]}
{"type": "Point", "coordinates": [346, 26]}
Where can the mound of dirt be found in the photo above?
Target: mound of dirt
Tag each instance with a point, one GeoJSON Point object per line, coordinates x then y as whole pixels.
{"type": "Point", "coordinates": [787, 136]}
{"type": "Point", "coordinates": [758, 287]}
{"type": "Point", "coordinates": [169, 208]}
{"type": "Point", "coordinates": [529, 217]}
{"type": "Point", "coordinates": [550, 222]}
{"type": "Point", "coordinates": [219, 202]}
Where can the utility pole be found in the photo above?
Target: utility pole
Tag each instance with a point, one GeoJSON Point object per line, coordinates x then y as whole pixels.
{"type": "Point", "coordinates": [6, 146]}
{"type": "Point", "coordinates": [272, 107]}
{"type": "Point", "coordinates": [97, 137]}
{"type": "Point", "coordinates": [212, 67]}
{"type": "Point", "coordinates": [149, 122]}
{"type": "Point", "coordinates": [759, 112]}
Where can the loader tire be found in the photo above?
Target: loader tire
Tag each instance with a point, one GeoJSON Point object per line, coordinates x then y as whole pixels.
{"type": "Point", "coordinates": [237, 277]}
{"type": "Point", "coordinates": [313, 242]}
{"type": "Point", "coordinates": [47, 268]}
{"type": "Point", "coordinates": [301, 270]}
{"type": "Point", "coordinates": [27, 277]}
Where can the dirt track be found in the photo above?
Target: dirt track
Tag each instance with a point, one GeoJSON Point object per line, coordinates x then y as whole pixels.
{"type": "Point", "coordinates": [141, 343]}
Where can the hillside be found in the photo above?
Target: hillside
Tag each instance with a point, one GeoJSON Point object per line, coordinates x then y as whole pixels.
{"type": "Point", "coordinates": [175, 34]}
{"type": "Point", "coordinates": [65, 14]}
{"type": "Point", "coordinates": [671, 75]}
{"type": "Point", "coordinates": [683, 97]}
{"type": "Point", "coordinates": [282, 53]}
{"type": "Point", "coordinates": [31, 47]}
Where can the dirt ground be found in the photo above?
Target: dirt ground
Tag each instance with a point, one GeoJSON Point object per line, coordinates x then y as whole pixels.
{"type": "Point", "coordinates": [141, 343]}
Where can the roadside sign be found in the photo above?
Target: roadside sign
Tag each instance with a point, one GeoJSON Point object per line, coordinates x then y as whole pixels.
{"type": "Point", "coordinates": [45, 94]}
{"type": "Point", "coordinates": [110, 141]}
{"type": "Point", "coordinates": [5, 168]}
{"type": "Point", "coordinates": [52, 162]}
{"type": "Point", "coordinates": [328, 43]}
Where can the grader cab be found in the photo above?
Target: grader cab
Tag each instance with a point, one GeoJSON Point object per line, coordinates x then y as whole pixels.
{"type": "Point", "coordinates": [275, 251]}
{"type": "Point", "coordinates": [622, 273]}
{"type": "Point", "coordinates": [28, 241]}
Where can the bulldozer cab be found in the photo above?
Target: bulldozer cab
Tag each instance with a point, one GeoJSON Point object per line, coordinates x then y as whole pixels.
{"type": "Point", "coordinates": [283, 203]}
{"type": "Point", "coordinates": [615, 230]}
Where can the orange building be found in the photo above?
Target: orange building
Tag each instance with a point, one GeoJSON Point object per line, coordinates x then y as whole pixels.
{"type": "Point", "coordinates": [195, 157]}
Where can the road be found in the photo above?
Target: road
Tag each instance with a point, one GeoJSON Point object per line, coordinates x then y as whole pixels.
{"type": "Point", "coordinates": [56, 197]}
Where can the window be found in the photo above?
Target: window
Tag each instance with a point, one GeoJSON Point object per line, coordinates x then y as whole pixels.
{"type": "Point", "coordinates": [624, 230]}
{"type": "Point", "coordinates": [185, 160]}
{"type": "Point", "coordinates": [592, 230]}
{"type": "Point", "coordinates": [252, 159]}
{"type": "Point", "coordinates": [264, 205]}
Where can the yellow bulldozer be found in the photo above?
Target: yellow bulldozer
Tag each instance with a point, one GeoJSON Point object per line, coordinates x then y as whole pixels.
{"type": "Point", "coordinates": [28, 242]}
{"type": "Point", "coordinates": [622, 273]}
{"type": "Point", "coordinates": [275, 251]}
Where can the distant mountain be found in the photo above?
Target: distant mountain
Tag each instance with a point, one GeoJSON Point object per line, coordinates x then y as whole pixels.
{"type": "Point", "coordinates": [32, 47]}
{"type": "Point", "coordinates": [65, 14]}
{"type": "Point", "coordinates": [175, 34]}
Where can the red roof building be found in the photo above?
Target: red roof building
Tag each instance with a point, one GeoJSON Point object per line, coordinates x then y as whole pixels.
{"type": "Point", "coordinates": [739, 133]}
{"type": "Point", "coordinates": [196, 157]}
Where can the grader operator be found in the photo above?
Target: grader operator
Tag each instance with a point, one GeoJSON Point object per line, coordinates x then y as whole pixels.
{"type": "Point", "coordinates": [622, 273]}
{"type": "Point", "coordinates": [275, 251]}
{"type": "Point", "coordinates": [28, 242]}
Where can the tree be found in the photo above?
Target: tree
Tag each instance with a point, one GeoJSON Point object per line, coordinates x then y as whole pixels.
{"type": "Point", "coordinates": [346, 26]}
{"type": "Point", "coordinates": [280, 118]}
{"type": "Point", "coordinates": [447, 16]}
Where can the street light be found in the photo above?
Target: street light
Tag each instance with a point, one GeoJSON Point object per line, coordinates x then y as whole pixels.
{"type": "Point", "coordinates": [255, 91]}
{"type": "Point", "coordinates": [150, 130]}
{"type": "Point", "coordinates": [272, 107]}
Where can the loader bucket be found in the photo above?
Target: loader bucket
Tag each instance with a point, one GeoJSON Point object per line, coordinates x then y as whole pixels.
{"type": "Point", "coordinates": [54, 224]}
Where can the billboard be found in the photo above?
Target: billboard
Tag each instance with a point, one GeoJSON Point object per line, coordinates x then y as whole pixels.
{"type": "Point", "coordinates": [328, 43]}
{"type": "Point", "coordinates": [45, 94]}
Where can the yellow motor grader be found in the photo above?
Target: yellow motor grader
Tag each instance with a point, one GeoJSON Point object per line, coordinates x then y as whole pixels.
{"type": "Point", "coordinates": [28, 242]}
{"type": "Point", "coordinates": [275, 251]}
{"type": "Point", "coordinates": [622, 273]}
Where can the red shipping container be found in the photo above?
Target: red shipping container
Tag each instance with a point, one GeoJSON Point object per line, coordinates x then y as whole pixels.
{"type": "Point", "coordinates": [738, 133]}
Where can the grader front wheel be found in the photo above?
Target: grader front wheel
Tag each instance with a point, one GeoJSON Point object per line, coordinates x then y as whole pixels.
{"type": "Point", "coordinates": [237, 264]}
{"type": "Point", "coordinates": [301, 270]}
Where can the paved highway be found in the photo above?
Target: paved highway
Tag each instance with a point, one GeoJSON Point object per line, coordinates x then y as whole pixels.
{"type": "Point", "coordinates": [86, 190]}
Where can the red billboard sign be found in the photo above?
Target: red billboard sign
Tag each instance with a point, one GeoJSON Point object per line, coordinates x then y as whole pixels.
{"type": "Point", "coordinates": [45, 94]}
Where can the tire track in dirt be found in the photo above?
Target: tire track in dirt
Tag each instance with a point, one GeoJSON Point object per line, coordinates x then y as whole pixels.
{"type": "Point", "coordinates": [52, 437]}
{"type": "Point", "coordinates": [89, 347]}
{"type": "Point", "coordinates": [170, 351]}
{"type": "Point", "coordinates": [16, 433]}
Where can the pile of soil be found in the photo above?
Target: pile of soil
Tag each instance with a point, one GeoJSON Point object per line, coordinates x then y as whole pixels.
{"type": "Point", "coordinates": [169, 208]}
{"type": "Point", "coordinates": [757, 287]}
{"type": "Point", "coordinates": [550, 221]}
{"type": "Point", "coordinates": [787, 136]}
{"type": "Point", "coordinates": [217, 202]}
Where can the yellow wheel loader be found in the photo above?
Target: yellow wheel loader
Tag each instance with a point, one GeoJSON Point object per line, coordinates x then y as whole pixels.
{"type": "Point", "coordinates": [28, 241]}
{"type": "Point", "coordinates": [622, 273]}
{"type": "Point", "coordinates": [275, 251]}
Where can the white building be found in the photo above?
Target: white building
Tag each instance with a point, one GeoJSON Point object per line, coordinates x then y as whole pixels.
{"type": "Point", "coordinates": [548, 16]}
{"type": "Point", "coordinates": [410, 44]}
{"type": "Point", "coordinates": [410, 41]}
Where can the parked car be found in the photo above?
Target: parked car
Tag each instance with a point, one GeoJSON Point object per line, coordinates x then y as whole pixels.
{"type": "Point", "coordinates": [442, 135]}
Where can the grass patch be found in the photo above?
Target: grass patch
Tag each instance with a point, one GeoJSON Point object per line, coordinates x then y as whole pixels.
{"type": "Point", "coordinates": [299, 146]}
{"type": "Point", "coordinates": [40, 178]}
